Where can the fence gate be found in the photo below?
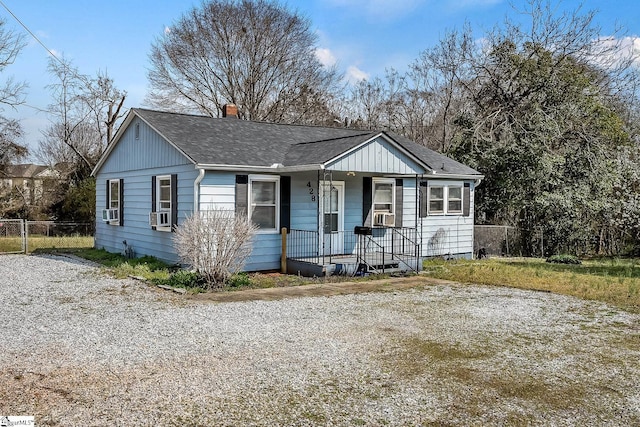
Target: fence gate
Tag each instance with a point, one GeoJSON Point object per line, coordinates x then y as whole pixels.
{"type": "Point", "coordinates": [12, 236]}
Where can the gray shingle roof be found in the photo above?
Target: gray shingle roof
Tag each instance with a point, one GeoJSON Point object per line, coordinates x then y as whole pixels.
{"type": "Point", "coordinates": [231, 141]}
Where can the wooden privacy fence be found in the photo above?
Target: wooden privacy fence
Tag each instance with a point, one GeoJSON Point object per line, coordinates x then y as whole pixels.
{"type": "Point", "coordinates": [22, 236]}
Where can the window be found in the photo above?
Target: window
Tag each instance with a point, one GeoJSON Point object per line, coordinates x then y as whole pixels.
{"type": "Point", "coordinates": [164, 193]}
{"type": "Point", "coordinates": [263, 202]}
{"type": "Point", "coordinates": [383, 196]}
{"type": "Point", "coordinates": [445, 200]}
{"type": "Point", "coordinates": [113, 211]}
{"type": "Point", "coordinates": [384, 202]}
{"type": "Point", "coordinates": [164, 196]}
{"type": "Point", "coordinates": [114, 194]}
{"type": "Point", "coordinates": [454, 200]}
{"type": "Point", "coordinates": [436, 200]}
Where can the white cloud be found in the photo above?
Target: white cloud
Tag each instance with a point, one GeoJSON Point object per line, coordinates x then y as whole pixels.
{"type": "Point", "coordinates": [56, 53]}
{"type": "Point", "coordinates": [355, 74]}
{"type": "Point", "coordinates": [610, 52]}
{"type": "Point", "coordinates": [326, 57]}
{"type": "Point", "coordinates": [167, 30]}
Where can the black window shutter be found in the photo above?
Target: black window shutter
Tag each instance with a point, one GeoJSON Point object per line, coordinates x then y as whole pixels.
{"type": "Point", "coordinates": [422, 200]}
{"type": "Point", "coordinates": [367, 183]}
{"type": "Point", "coordinates": [153, 196]}
{"type": "Point", "coordinates": [121, 204]}
{"type": "Point", "coordinates": [399, 202]}
{"type": "Point", "coordinates": [174, 201]}
{"type": "Point", "coordinates": [108, 200]}
{"type": "Point", "coordinates": [242, 188]}
{"type": "Point", "coordinates": [285, 202]}
{"type": "Point", "coordinates": [466, 195]}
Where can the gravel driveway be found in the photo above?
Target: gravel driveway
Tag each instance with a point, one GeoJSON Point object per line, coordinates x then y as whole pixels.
{"type": "Point", "coordinates": [82, 349]}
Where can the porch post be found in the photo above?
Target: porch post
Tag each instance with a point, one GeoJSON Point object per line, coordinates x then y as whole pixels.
{"type": "Point", "coordinates": [283, 256]}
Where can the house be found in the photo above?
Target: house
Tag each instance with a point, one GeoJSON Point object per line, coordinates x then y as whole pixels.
{"type": "Point", "coordinates": [27, 186]}
{"type": "Point", "coordinates": [349, 199]}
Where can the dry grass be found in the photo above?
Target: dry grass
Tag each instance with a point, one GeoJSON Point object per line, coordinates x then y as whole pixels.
{"type": "Point", "coordinates": [14, 244]}
{"type": "Point", "coordinates": [615, 281]}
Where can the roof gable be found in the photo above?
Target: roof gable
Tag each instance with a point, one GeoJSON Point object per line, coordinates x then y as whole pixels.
{"type": "Point", "coordinates": [378, 154]}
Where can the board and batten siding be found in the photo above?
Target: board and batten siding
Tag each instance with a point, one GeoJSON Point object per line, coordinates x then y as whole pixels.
{"type": "Point", "coordinates": [449, 234]}
{"type": "Point", "coordinates": [377, 156]}
{"type": "Point", "coordinates": [146, 151]}
{"type": "Point", "coordinates": [136, 206]}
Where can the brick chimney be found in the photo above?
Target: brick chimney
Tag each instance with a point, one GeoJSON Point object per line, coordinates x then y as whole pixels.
{"type": "Point", "coordinates": [230, 110]}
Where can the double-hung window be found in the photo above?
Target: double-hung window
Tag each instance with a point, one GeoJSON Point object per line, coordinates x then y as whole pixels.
{"type": "Point", "coordinates": [113, 211]}
{"type": "Point", "coordinates": [264, 201]}
{"type": "Point", "coordinates": [454, 200]}
{"type": "Point", "coordinates": [114, 194]}
{"type": "Point", "coordinates": [436, 200]}
{"type": "Point", "coordinates": [163, 202]}
{"type": "Point", "coordinates": [445, 199]}
{"type": "Point", "coordinates": [384, 197]}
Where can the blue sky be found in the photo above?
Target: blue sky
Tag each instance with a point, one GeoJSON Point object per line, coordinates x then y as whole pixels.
{"type": "Point", "coordinates": [362, 37]}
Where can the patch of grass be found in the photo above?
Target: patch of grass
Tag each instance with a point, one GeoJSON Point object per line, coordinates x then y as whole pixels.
{"type": "Point", "coordinates": [413, 355]}
{"type": "Point", "coordinates": [564, 259]}
{"type": "Point", "coordinates": [615, 283]}
{"type": "Point", "coordinates": [37, 242]}
{"type": "Point", "coordinates": [181, 279]}
{"type": "Point", "coordinates": [10, 244]}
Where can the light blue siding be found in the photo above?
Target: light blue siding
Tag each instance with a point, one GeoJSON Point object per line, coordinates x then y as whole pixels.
{"type": "Point", "coordinates": [217, 191]}
{"type": "Point", "coordinates": [377, 156]}
{"type": "Point", "coordinates": [448, 234]}
{"type": "Point", "coordinates": [137, 205]}
{"type": "Point", "coordinates": [148, 151]}
{"type": "Point", "coordinates": [304, 201]}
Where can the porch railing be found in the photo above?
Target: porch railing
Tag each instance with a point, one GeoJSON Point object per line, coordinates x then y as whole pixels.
{"type": "Point", "coordinates": [377, 250]}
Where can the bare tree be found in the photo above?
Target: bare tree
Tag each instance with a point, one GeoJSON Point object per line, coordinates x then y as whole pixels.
{"type": "Point", "coordinates": [85, 113]}
{"type": "Point", "coordinates": [11, 95]}
{"type": "Point", "coordinates": [215, 243]}
{"type": "Point", "coordinates": [256, 54]}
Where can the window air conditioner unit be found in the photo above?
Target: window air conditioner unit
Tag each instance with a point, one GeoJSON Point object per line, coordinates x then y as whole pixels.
{"type": "Point", "coordinates": [384, 219]}
{"type": "Point", "coordinates": [160, 219]}
{"type": "Point", "coordinates": [109, 215]}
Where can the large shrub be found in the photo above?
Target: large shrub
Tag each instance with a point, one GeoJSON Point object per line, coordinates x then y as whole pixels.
{"type": "Point", "coordinates": [215, 243]}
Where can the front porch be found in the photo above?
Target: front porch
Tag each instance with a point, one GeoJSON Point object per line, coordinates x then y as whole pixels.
{"type": "Point", "coordinates": [363, 251]}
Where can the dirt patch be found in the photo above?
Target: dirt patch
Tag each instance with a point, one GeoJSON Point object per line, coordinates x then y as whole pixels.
{"type": "Point", "coordinates": [321, 289]}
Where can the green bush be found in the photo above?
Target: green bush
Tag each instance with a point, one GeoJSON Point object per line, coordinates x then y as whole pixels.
{"type": "Point", "coordinates": [239, 280]}
{"type": "Point", "coordinates": [564, 259]}
{"type": "Point", "coordinates": [182, 279]}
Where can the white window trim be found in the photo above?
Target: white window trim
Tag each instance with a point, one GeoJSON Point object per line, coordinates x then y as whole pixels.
{"type": "Point", "coordinates": [391, 181]}
{"type": "Point", "coordinates": [117, 181]}
{"type": "Point", "coordinates": [158, 201]}
{"type": "Point", "coordinates": [444, 201]}
{"type": "Point", "coordinates": [445, 198]}
{"type": "Point", "coordinates": [250, 205]}
{"type": "Point", "coordinates": [457, 211]}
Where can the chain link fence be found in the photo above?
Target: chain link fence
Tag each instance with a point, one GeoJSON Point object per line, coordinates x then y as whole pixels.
{"type": "Point", "coordinates": [20, 236]}
{"type": "Point", "coordinates": [12, 236]}
{"type": "Point", "coordinates": [503, 240]}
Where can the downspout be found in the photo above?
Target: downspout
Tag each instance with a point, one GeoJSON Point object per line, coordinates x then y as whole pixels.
{"type": "Point", "coordinates": [196, 189]}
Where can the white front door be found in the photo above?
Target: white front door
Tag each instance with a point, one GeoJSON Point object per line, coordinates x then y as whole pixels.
{"type": "Point", "coordinates": [332, 218]}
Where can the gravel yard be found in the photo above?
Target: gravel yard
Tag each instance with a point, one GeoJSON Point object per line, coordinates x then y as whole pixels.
{"type": "Point", "coordinates": [82, 349]}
